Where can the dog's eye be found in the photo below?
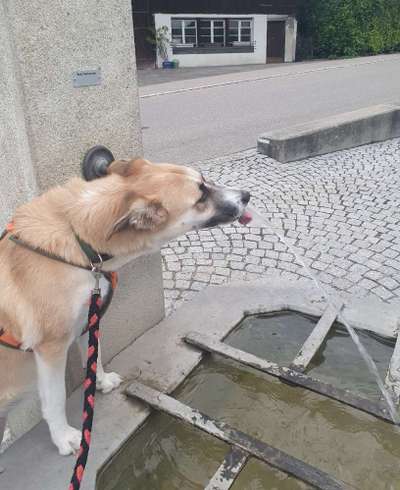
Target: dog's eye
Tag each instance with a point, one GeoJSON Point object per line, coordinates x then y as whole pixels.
{"type": "Point", "coordinates": [204, 193]}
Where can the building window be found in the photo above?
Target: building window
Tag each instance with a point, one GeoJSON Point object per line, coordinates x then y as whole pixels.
{"type": "Point", "coordinates": [211, 35]}
{"type": "Point", "coordinates": [211, 32]}
{"type": "Point", "coordinates": [184, 32]}
{"type": "Point", "coordinates": [240, 31]}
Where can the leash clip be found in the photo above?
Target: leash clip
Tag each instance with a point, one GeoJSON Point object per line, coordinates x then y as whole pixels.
{"type": "Point", "coordinates": [97, 273]}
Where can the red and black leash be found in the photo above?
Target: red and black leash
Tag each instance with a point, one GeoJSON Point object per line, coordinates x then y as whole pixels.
{"type": "Point", "coordinates": [96, 309]}
{"type": "Point", "coordinates": [89, 385]}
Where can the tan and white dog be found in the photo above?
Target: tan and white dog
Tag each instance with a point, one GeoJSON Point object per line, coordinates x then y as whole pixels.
{"type": "Point", "coordinates": [135, 209]}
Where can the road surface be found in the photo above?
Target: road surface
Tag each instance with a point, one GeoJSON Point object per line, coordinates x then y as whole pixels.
{"type": "Point", "coordinates": [199, 118]}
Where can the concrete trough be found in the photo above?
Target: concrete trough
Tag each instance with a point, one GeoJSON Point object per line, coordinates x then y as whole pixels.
{"type": "Point", "coordinates": [334, 133]}
{"type": "Point", "coordinates": [160, 358]}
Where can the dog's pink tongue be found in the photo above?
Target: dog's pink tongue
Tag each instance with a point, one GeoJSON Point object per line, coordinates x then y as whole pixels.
{"type": "Point", "coordinates": [245, 218]}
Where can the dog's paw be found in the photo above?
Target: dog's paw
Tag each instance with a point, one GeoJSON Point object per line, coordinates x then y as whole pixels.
{"type": "Point", "coordinates": [67, 440]}
{"type": "Point", "coordinates": [108, 382]}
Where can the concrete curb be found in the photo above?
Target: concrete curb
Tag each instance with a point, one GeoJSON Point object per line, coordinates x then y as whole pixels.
{"type": "Point", "coordinates": [340, 132]}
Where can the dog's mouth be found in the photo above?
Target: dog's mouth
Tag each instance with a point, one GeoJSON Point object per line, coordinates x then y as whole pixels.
{"type": "Point", "coordinates": [222, 219]}
{"type": "Point", "coordinates": [245, 218]}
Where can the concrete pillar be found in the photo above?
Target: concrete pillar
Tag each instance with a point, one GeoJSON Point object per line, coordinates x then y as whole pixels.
{"type": "Point", "coordinates": [47, 124]}
{"type": "Point", "coordinates": [17, 179]}
{"type": "Point", "coordinates": [290, 39]}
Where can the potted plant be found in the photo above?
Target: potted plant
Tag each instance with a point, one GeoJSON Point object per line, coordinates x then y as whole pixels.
{"type": "Point", "coordinates": [160, 39]}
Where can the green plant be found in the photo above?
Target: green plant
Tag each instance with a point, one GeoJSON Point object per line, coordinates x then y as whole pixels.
{"type": "Point", "coordinates": [343, 28]}
{"type": "Point", "coordinates": [160, 39]}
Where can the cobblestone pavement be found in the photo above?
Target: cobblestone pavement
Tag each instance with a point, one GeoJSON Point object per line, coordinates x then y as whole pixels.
{"type": "Point", "coordinates": [341, 211]}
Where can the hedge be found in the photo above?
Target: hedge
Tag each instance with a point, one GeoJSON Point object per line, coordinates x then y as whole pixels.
{"type": "Point", "coordinates": [346, 28]}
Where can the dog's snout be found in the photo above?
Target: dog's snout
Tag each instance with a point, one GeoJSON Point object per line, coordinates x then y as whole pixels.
{"type": "Point", "coordinates": [229, 209]}
{"type": "Point", "coordinates": [245, 197]}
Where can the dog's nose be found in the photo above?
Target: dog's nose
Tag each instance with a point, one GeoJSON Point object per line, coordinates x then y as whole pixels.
{"type": "Point", "coordinates": [245, 197]}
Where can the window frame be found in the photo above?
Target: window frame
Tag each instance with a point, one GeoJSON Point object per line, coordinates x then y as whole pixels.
{"type": "Point", "coordinates": [223, 28]}
{"type": "Point", "coordinates": [209, 47]}
{"type": "Point", "coordinates": [182, 21]}
{"type": "Point", "coordinates": [240, 26]}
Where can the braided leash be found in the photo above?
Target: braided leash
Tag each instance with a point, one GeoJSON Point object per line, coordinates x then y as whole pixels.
{"type": "Point", "coordinates": [89, 385]}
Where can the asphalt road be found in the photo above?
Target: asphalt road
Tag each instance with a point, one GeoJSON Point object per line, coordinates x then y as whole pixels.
{"type": "Point", "coordinates": [205, 117]}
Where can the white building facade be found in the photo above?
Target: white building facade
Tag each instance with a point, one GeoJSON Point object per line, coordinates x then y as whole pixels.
{"type": "Point", "coordinates": [227, 39]}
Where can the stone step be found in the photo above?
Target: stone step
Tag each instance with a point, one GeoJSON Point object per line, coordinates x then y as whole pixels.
{"type": "Point", "coordinates": [347, 130]}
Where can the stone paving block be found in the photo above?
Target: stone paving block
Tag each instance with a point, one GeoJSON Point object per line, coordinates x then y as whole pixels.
{"type": "Point", "coordinates": [257, 253]}
{"type": "Point", "coordinates": [374, 275]}
{"type": "Point", "coordinates": [392, 254]}
{"type": "Point", "coordinates": [265, 245]}
{"type": "Point", "coordinates": [222, 271]}
{"type": "Point", "coordinates": [198, 286]}
{"type": "Point", "coordinates": [269, 262]}
{"type": "Point", "coordinates": [201, 277]}
{"type": "Point", "coordinates": [234, 265]}
{"type": "Point", "coordinates": [382, 293]}
{"type": "Point", "coordinates": [393, 263]}
{"type": "Point", "coordinates": [389, 283]}
{"type": "Point", "coordinates": [250, 259]}
{"type": "Point", "coordinates": [320, 266]}
{"type": "Point", "coordinates": [367, 284]}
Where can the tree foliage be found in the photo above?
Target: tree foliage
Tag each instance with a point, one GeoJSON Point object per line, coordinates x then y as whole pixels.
{"type": "Point", "coordinates": [346, 28]}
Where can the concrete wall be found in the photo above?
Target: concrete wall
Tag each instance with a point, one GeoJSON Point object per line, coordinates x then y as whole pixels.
{"type": "Point", "coordinates": [47, 125]}
{"type": "Point", "coordinates": [17, 179]}
{"type": "Point", "coordinates": [259, 56]}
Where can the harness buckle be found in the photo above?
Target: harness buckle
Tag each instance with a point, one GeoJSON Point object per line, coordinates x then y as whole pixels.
{"type": "Point", "coordinates": [97, 273]}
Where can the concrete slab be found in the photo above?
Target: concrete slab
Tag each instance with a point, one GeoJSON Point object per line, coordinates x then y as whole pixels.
{"type": "Point", "coordinates": [162, 360]}
{"type": "Point", "coordinates": [343, 131]}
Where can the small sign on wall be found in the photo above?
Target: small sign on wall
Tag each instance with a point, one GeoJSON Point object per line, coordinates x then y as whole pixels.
{"type": "Point", "coordinates": [86, 78]}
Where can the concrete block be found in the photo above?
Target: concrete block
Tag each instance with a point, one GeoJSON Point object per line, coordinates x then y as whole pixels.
{"type": "Point", "coordinates": [347, 130]}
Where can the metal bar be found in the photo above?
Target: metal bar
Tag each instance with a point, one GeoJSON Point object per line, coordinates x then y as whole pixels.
{"type": "Point", "coordinates": [274, 457]}
{"type": "Point", "coordinates": [392, 380]}
{"type": "Point", "coordinates": [315, 339]}
{"type": "Point", "coordinates": [229, 470]}
{"type": "Point", "coordinates": [214, 346]}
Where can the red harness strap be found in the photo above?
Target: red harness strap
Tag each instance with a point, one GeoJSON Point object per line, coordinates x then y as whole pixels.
{"type": "Point", "coordinates": [9, 340]}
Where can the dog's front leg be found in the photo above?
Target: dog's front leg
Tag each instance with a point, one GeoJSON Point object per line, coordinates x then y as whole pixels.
{"type": "Point", "coordinates": [106, 382]}
{"type": "Point", "coordinates": [51, 364]}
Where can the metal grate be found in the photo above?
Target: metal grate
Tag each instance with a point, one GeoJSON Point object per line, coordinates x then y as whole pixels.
{"type": "Point", "coordinates": [316, 338]}
{"type": "Point", "coordinates": [293, 374]}
{"type": "Point", "coordinates": [243, 446]}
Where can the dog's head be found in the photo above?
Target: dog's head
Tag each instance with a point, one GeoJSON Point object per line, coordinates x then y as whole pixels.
{"type": "Point", "coordinates": [173, 199]}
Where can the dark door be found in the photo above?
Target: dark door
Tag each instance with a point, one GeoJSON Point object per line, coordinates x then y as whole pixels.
{"type": "Point", "coordinates": [142, 24]}
{"type": "Point", "coordinates": [276, 42]}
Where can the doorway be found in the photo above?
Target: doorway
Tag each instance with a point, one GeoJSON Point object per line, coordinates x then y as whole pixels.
{"type": "Point", "coordinates": [276, 41]}
{"type": "Point", "coordinates": [143, 23]}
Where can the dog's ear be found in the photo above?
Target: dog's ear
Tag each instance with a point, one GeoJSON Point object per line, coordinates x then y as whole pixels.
{"type": "Point", "coordinates": [144, 214]}
{"type": "Point", "coordinates": [126, 168]}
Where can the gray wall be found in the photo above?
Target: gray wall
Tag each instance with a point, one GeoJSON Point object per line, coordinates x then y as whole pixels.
{"type": "Point", "coordinates": [46, 125]}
